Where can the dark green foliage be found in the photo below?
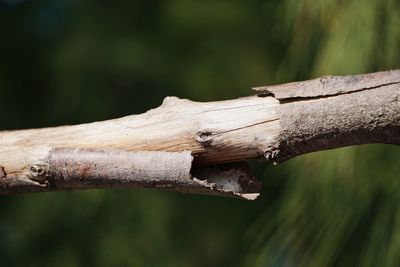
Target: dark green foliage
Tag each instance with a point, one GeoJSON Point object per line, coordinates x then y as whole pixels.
{"type": "Point", "coordinates": [64, 62]}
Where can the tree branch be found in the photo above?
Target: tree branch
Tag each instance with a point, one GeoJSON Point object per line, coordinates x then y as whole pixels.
{"type": "Point", "coordinates": [331, 112]}
{"type": "Point", "coordinates": [184, 145]}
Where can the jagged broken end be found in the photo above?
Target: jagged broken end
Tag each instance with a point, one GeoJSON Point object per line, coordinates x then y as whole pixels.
{"type": "Point", "coordinates": [231, 179]}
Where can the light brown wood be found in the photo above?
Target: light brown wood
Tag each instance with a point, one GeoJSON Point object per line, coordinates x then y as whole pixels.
{"type": "Point", "coordinates": [214, 132]}
{"type": "Point", "coordinates": [278, 123]}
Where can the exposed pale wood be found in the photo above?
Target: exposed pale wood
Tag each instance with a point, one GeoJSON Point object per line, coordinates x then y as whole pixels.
{"type": "Point", "coordinates": [214, 132]}
{"type": "Point", "coordinates": [279, 123]}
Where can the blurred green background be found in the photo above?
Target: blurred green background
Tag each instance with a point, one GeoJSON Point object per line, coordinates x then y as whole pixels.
{"type": "Point", "coordinates": [68, 62]}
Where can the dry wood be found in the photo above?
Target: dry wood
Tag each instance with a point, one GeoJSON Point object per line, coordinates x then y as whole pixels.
{"type": "Point", "coordinates": [280, 122]}
{"type": "Point", "coordinates": [72, 169]}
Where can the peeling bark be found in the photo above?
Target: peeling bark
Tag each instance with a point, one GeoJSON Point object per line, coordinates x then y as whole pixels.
{"type": "Point", "coordinates": [330, 85]}
{"type": "Point", "coordinates": [184, 146]}
{"type": "Point", "coordinates": [77, 169]}
{"type": "Point", "coordinates": [365, 117]}
{"type": "Point", "coordinates": [336, 111]}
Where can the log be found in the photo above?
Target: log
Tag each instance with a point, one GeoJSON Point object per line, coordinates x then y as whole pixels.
{"type": "Point", "coordinates": [194, 147]}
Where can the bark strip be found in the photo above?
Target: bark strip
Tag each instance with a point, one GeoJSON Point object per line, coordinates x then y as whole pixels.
{"type": "Point", "coordinates": [330, 85]}
{"type": "Point", "coordinates": [77, 169]}
{"type": "Point", "coordinates": [335, 112]}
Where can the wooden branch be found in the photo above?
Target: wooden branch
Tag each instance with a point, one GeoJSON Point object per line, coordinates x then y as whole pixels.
{"type": "Point", "coordinates": [184, 145]}
{"type": "Point", "coordinates": [335, 111]}
{"type": "Point", "coordinates": [73, 169]}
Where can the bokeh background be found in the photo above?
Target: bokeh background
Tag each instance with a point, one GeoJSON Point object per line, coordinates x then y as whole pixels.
{"type": "Point", "coordinates": [70, 61]}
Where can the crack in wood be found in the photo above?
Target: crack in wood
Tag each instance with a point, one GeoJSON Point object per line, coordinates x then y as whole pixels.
{"type": "Point", "coordinates": [328, 86]}
{"type": "Point", "coordinates": [3, 173]}
{"type": "Point", "coordinates": [205, 137]}
{"type": "Point", "coordinates": [302, 99]}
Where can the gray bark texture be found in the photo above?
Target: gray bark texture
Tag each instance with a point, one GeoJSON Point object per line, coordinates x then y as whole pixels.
{"type": "Point", "coordinates": [332, 112]}
{"type": "Point", "coordinates": [193, 147]}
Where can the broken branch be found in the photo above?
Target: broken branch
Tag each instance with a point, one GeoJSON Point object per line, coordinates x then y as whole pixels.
{"type": "Point", "coordinates": [186, 142]}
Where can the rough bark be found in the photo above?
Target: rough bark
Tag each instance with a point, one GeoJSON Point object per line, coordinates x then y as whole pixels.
{"type": "Point", "coordinates": [73, 169]}
{"type": "Point", "coordinates": [331, 112]}
{"type": "Point", "coordinates": [193, 139]}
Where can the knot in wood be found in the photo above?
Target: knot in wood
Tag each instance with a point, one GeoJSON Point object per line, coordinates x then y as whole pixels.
{"type": "Point", "coordinates": [38, 170]}
{"type": "Point", "coordinates": [204, 138]}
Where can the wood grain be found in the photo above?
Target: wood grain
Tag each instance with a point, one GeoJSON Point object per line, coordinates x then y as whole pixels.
{"type": "Point", "coordinates": [278, 123]}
